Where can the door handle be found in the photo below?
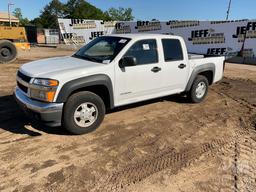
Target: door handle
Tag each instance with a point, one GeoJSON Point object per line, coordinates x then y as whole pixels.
{"type": "Point", "coordinates": [182, 66]}
{"type": "Point", "coordinates": [156, 69]}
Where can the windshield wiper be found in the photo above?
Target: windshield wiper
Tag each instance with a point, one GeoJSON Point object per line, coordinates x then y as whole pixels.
{"type": "Point", "coordinates": [77, 56]}
{"type": "Point", "coordinates": [92, 58]}
{"type": "Point", "coordinates": [87, 57]}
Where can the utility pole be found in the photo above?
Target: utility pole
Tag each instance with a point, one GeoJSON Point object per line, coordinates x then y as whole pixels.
{"type": "Point", "coordinates": [229, 6]}
{"type": "Point", "coordinates": [9, 13]}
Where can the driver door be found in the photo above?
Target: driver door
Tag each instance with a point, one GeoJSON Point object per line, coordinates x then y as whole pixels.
{"type": "Point", "coordinates": [143, 80]}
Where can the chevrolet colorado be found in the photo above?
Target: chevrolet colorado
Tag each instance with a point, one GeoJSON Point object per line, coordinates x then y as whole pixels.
{"type": "Point", "coordinates": [112, 71]}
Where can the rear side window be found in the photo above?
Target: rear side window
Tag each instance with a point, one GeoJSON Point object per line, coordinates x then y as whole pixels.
{"type": "Point", "coordinates": [172, 50]}
{"type": "Point", "coordinates": [145, 51]}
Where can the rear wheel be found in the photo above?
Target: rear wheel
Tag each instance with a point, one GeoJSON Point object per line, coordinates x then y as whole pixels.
{"type": "Point", "coordinates": [199, 89]}
{"type": "Point", "coordinates": [8, 51]}
{"type": "Point", "coordinates": [83, 113]}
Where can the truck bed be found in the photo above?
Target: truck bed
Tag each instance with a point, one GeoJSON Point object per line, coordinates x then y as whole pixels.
{"type": "Point", "coordinates": [197, 60]}
{"type": "Point", "coordinates": [195, 56]}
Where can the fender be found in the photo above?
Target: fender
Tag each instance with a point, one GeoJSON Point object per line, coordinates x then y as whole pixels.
{"type": "Point", "coordinates": [84, 82]}
{"type": "Point", "coordinates": [200, 69]}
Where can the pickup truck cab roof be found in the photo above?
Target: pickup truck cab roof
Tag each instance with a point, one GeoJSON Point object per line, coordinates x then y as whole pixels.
{"type": "Point", "coordinates": [143, 35]}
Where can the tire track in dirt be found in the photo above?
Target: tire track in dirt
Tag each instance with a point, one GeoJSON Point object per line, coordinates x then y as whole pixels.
{"type": "Point", "coordinates": [244, 150]}
{"type": "Point", "coordinates": [244, 160]}
{"type": "Point", "coordinates": [235, 170]}
{"type": "Point", "coordinates": [226, 85]}
{"type": "Point", "coordinates": [16, 140]}
{"type": "Point", "coordinates": [240, 101]}
{"type": "Point", "coordinates": [238, 175]}
{"type": "Point", "coordinates": [169, 159]}
{"type": "Point", "coordinates": [244, 165]}
{"type": "Point", "coordinates": [174, 161]}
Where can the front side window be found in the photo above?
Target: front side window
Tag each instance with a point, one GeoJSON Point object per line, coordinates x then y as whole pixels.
{"type": "Point", "coordinates": [145, 52]}
{"type": "Point", "coordinates": [172, 50]}
{"type": "Point", "coordinates": [103, 49]}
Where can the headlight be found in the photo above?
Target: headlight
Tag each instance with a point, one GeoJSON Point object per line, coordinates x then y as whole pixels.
{"type": "Point", "coordinates": [44, 89]}
{"type": "Point", "coordinates": [46, 82]}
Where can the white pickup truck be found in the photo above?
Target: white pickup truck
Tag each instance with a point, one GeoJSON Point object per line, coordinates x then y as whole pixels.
{"type": "Point", "coordinates": [112, 71]}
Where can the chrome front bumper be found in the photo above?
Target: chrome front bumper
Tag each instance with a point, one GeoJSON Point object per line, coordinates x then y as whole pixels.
{"type": "Point", "coordinates": [50, 113]}
{"type": "Point", "coordinates": [37, 106]}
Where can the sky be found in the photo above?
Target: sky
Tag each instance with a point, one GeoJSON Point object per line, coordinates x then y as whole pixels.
{"type": "Point", "coordinates": [156, 9]}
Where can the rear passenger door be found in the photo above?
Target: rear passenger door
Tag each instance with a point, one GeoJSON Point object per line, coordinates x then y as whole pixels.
{"type": "Point", "coordinates": [175, 65]}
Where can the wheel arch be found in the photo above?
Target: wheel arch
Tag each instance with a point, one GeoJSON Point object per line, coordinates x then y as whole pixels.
{"type": "Point", "coordinates": [207, 70]}
{"type": "Point", "coordinates": [99, 84]}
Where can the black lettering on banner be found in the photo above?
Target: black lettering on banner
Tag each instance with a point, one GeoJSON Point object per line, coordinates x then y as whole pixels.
{"type": "Point", "coordinates": [96, 34]}
{"type": "Point", "coordinates": [70, 38]}
{"type": "Point", "coordinates": [143, 26]}
{"type": "Point", "coordinates": [82, 24]}
{"type": "Point", "coordinates": [230, 21]}
{"type": "Point", "coordinates": [122, 28]}
{"type": "Point", "coordinates": [242, 30]}
{"type": "Point", "coordinates": [108, 23]}
{"type": "Point", "coordinates": [199, 33]}
{"type": "Point", "coordinates": [75, 21]}
{"type": "Point", "coordinates": [169, 22]}
{"type": "Point", "coordinates": [68, 35]}
{"type": "Point", "coordinates": [216, 51]}
{"type": "Point", "coordinates": [182, 24]}
{"type": "Point", "coordinates": [141, 23]}
{"type": "Point", "coordinates": [119, 26]}
{"type": "Point", "coordinates": [248, 53]}
{"type": "Point", "coordinates": [206, 36]}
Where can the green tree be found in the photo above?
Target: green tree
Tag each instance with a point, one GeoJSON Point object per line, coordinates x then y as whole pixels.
{"type": "Point", "coordinates": [23, 21]}
{"type": "Point", "coordinates": [50, 14]}
{"type": "Point", "coordinates": [77, 9]}
{"type": "Point", "coordinates": [17, 13]}
{"type": "Point", "coordinates": [37, 22]}
{"type": "Point", "coordinates": [120, 14]}
{"type": "Point", "coordinates": [80, 9]}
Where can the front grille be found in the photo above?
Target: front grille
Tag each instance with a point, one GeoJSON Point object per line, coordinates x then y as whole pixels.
{"type": "Point", "coordinates": [22, 87]}
{"type": "Point", "coordinates": [23, 77]}
{"type": "Point", "coordinates": [22, 82]}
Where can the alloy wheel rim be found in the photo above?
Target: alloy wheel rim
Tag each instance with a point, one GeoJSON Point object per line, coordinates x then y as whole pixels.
{"type": "Point", "coordinates": [86, 114]}
{"type": "Point", "coordinates": [200, 90]}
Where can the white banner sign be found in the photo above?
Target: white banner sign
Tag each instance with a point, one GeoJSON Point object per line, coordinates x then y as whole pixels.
{"type": "Point", "coordinates": [81, 31]}
{"type": "Point", "coordinates": [203, 37]}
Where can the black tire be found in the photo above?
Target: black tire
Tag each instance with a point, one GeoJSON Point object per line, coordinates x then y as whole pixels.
{"type": "Point", "coordinates": [192, 95]}
{"type": "Point", "coordinates": [69, 121]}
{"type": "Point", "coordinates": [8, 51]}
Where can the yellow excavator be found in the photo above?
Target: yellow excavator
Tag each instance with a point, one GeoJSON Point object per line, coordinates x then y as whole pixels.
{"type": "Point", "coordinates": [12, 38]}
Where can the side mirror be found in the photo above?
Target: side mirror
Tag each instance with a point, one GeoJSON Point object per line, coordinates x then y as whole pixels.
{"type": "Point", "coordinates": [127, 61]}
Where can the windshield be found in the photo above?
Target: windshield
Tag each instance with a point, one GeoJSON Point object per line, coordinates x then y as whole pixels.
{"type": "Point", "coordinates": [103, 49]}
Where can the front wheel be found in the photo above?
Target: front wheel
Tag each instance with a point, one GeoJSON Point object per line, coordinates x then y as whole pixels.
{"type": "Point", "coordinates": [199, 89]}
{"type": "Point", "coordinates": [83, 113]}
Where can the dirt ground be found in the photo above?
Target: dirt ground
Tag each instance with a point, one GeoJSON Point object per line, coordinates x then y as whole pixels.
{"type": "Point", "coordinates": [161, 145]}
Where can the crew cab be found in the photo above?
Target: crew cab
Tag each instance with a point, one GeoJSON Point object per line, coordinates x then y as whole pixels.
{"type": "Point", "coordinates": [111, 71]}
